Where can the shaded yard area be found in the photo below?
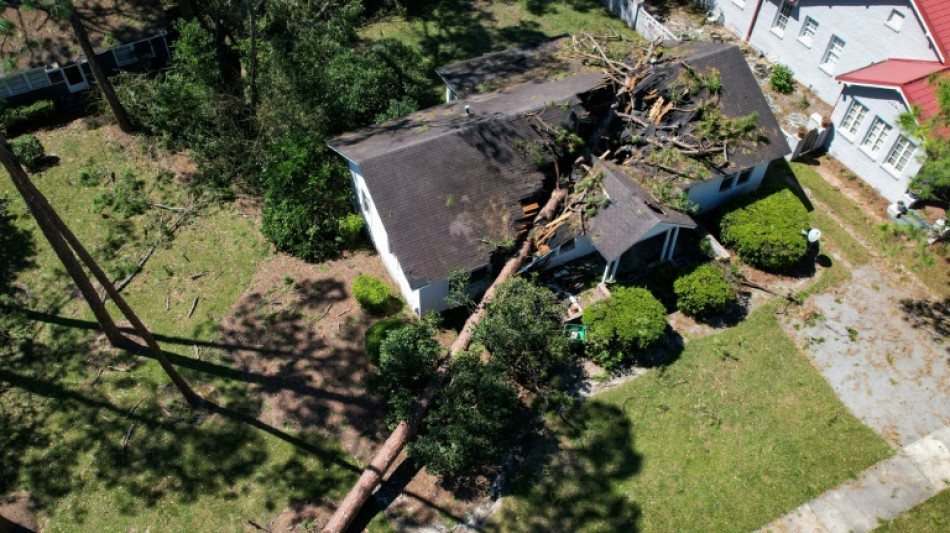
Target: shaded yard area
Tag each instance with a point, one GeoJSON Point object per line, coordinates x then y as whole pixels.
{"type": "Point", "coordinates": [99, 436]}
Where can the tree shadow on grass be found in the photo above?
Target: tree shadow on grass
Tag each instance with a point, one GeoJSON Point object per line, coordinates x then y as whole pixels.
{"type": "Point", "coordinates": [572, 484]}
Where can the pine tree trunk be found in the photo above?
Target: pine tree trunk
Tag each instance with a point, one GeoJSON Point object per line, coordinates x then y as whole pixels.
{"type": "Point", "coordinates": [22, 183]}
{"type": "Point", "coordinates": [61, 238]}
{"type": "Point", "coordinates": [104, 84]}
{"type": "Point", "coordinates": [372, 476]}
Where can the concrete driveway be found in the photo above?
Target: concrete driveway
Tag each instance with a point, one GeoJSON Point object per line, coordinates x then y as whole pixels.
{"type": "Point", "coordinates": [893, 376]}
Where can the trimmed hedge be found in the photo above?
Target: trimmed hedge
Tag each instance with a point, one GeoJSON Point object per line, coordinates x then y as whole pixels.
{"type": "Point", "coordinates": [705, 291]}
{"type": "Point", "coordinates": [767, 233]}
{"type": "Point", "coordinates": [29, 151]}
{"type": "Point", "coordinates": [372, 294]}
{"type": "Point", "coordinates": [377, 333]}
{"type": "Point", "coordinates": [31, 116]}
{"type": "Point", "coordinates": [621, 328]}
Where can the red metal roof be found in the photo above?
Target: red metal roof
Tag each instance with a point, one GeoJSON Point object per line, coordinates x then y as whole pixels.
{"type": "Point", "coordinates": [909, 76]}
{"type": "Point", "coordinates": [936, 15]}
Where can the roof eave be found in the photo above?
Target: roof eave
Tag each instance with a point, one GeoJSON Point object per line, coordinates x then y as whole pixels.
{"type": "Point", "coordinates": [942, 52]}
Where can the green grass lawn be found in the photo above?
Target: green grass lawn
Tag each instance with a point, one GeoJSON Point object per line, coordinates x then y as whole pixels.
{"type": "Point", "coordinates": [931, 516]}
{"type": "Point", "coordinates": [452, 30]}
{"type": "Point", "coordinates": [63, 434]}
{"type": "Point", "coordinates": [736, 432]}
{"type": "Point", "coordinates": [929, 264]}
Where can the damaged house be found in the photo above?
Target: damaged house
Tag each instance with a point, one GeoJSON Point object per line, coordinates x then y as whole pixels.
{"type": "Point", "coordinates": [675, 132]}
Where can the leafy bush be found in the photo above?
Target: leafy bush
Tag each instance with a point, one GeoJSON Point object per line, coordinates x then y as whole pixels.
{"type": "Point", "coordinates": [371, 293]}
{"type": "Point", "coordinates": [704, 291]}
{"type": "Point", "coordinates": [30, 116]}
{"type": "Point", "coordinates": [474, 421]}
{"type": "Point", "coordinates": [29, 151]}
{"type": "Point", "coordinates": [408, 358]}
{"type": "Point", "coordinates": [377, 333]}
{"type": "Point", "coordinates": [623, 326]}
{"type": "Point", "coordinates": [522, 330]}
{"type": "Point", "coordinates": [766, 233]}
{"type": "Point", "coordinates": [125, 199]}
{"type": "Point", "coordinates": [781, 79]}
{"type": "Point", "coordinates": [307, 210]}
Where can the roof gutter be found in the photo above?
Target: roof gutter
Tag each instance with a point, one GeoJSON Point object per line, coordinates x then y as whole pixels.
{"type": "Point", "coordinates": [755, 17]}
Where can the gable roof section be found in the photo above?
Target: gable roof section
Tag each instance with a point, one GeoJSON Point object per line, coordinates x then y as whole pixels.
{"type": "Point", "coordinates": [631, 213]}
{"type": "Point", "coordinates": [447, 185]}
{"type": "Point", "coordinates": [911, 78]}
{"type": "Point", "coordinates": [497, 69]}
{"type": "Point", "coordinates": [739, 96]}
{"type": "Point", "coordinates": [936, 17]}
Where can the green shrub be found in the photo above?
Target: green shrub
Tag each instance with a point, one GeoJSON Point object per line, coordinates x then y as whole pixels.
{"type": "Point", "coordinates": [622, 327]}
{"type": "Point", "coordinates": [307, 210]}
{"type": "Point", "coordinates": [30, 116]}
{"type": "Point", "coordinates": [781, 79]}
{"type": "Point", "coordinates": [766, 233]}
{"type": "Point", "coordinates": [474, 422]}
{"type": "Point", "coordinates": [29, 151]}
{"type": "Point", "coordinates": [377, 333]}
{"type": "Point", "coordinates": [408, 358]}
{"type": "Point", "coordinates": [371, 293]}
{"type": "Point", "coordinates": [705, 291]}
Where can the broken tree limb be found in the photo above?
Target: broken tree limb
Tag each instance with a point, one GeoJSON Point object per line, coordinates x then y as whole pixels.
{"type": "Point", "coordinates": [165, 207]}
{"type": "Point", "coordinates": [194, 304]}
{"type": "Point", "coordinates": [390, 450]}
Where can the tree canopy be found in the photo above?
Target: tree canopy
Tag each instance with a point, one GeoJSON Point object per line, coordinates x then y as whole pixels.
{"type": "Point", "coordinates": [932, 182]}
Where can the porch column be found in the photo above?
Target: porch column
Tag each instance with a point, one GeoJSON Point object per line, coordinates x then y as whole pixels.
{"type": "Point", "coordinates": [666, 244]}
{"type": "Point", "coordinates": [676, 234]}
{"type": "Point", "coordinates": [610, 270]}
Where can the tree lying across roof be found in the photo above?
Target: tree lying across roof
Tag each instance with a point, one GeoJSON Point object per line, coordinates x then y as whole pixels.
{"type": "Point", "coordinates": [667, 113]}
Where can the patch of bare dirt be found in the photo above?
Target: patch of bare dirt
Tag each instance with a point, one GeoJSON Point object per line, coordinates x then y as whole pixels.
{"type": "Point", "coordinates": [18, 513]}
{"type": "Point", "coordinates": [300, 338]}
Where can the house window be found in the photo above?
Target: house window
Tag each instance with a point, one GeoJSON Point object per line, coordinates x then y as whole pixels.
{"type": "Point", "coordinates": [744, 177]}
{"type": "Point", "coordinates": [364, 203]}
{"type": "Point", "coordinates": [55, 76]}
{"type": "Point", "coordinates": [809, 29]}
{"type": "Point", "coordinates": [895, 20]}
{"type": "Point", "coordinates": [130, 53]}
{"type": "Point", "coordinates": [726, 184]}
{"type": "Point", "coordinates": [781, 18]}
{"type": "Point", "coordinates": [900, 154]}
{"type": "Point", "coordinates": [832, 54]}
{"type": "Point", "coordinates": [853, 118]}
{"type": "Point", "coordinates": [876, 136]}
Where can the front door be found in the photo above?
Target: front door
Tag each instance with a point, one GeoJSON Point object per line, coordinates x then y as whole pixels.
{"type": "Point", "coordinates": [75, 78]}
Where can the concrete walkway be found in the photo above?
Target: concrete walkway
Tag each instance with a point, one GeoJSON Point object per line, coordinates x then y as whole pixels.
{"type": "Point", "coordinates": [915, 473]}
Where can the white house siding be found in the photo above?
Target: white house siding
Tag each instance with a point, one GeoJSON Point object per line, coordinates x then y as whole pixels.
{"type": "Point", "coordinates": [707, 195]}
{"type": "Point", "coordinates": [558, 256]}
{"type": "Point", "coordinates": [861, 24]}
{"type": "Point", "coordinates": [381, 239]}
{"type": "Point", "coordinates": [736, 15]}
{"type": "Point", "coordinates": [888, 105]}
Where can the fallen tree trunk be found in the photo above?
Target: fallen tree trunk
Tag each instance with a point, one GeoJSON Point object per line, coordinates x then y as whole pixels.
{"type": "Point", "coordinates": [390, 450]}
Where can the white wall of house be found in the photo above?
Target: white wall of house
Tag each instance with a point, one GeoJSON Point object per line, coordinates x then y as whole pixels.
{"type": "Point", "coordinates": [568, 252]}
{"type": "Point", "coordinates": [377, 232]}
{"type": "Point", "coordinates": [708, 194]}
{"type": "Point", "coordinates": [878, 154]}
{"type": "Point", "coordinates": [736, 15]}
{"type": "Point", "coordinates": [865, 32]}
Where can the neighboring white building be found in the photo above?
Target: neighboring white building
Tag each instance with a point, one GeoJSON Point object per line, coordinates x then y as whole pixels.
{"type": "Point", "coordinates": [447, 187]}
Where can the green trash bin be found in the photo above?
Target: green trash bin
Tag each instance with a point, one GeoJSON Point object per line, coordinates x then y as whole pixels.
{"type": "Point", "coordinates": [575, 332]}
